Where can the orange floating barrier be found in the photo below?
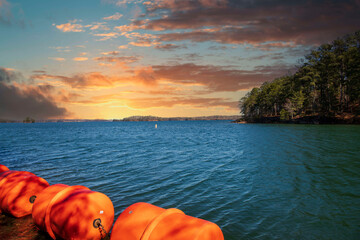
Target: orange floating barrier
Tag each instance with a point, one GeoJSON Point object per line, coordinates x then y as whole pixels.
{"type": "Point", "coordinates": [3, 168]}
{"type": "Point", "coordinates": [18, 191]}
{"type": "Point", "coordinates": [42, 202]}
{"type": "Point", "coordinates": [73, 212]}
{"type": "Point", "coordinates": [143, 221]}
{"type": "Point", "coordinates": [5, 176]}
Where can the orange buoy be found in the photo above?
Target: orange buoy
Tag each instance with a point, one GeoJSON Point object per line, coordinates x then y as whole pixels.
{"type": "Point", "coordinates": [18, 190]}
{"type": "Point", "coordinates": [143, 221]}
{"type": "Point", "coordinates": [3, 168]}
{"type": "Point", "coordinates": [73, 212]}
{"type": "Point", "coordinates": [3, 179]}
{"type": "Point", "coordinates": [42, 201]}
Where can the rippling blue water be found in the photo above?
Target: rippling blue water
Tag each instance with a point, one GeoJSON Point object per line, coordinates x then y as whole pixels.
{"type": "Point", "coordinates": [255, 181]}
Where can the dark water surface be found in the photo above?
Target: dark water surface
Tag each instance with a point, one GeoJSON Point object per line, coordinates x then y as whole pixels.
{"type": "Point", "coordinates": [254, 181]}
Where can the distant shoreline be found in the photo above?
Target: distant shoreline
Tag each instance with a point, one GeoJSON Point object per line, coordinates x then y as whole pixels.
{"type": "Point", "coordinates": [157, 119]}
{"type": "Point", "coordinates": [135, 119]}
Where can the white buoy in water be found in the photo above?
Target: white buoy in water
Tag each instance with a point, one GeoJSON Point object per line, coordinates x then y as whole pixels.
{"type": "Point", "coordinates": [155, 125]}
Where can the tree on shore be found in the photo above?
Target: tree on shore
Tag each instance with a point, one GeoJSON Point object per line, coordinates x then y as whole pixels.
{"type": "Point", "coordinates": [29, 120]}
{"type": "Point", "coordinates": [326, 84]}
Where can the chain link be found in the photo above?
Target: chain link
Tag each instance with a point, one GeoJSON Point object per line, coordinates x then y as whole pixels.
{"type": "Point", "coordinates": [101, 230]}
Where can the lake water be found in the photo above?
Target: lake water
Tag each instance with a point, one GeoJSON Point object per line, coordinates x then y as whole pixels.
{"type": "Point", "coordinates": [255, 181]}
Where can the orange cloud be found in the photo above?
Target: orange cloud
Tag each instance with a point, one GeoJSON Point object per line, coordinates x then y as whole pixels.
{"type": "Point", "coordinates": [123, 47]}
{"type": "Point", "coordinates": [209, 77]}
{"type": "Point", "coordinates": [127, 28]}
{"type": "Point", "coordinates": [79, 81]}
{"type": "Point", "coordinates": [146, 76]}
{"type": "Point", "coordinates": [142, 40]}
{"type": "Point", "coordinates": [71, 26]}
{"type": "Point", "coordinates": [80, 59]}
{"type": "Point", "coordinates": [144, 43]}
{"type": "Point", "coordinates": [116, 16]}
{"type": "Point", "coordinates": [113, 53]}
{"type": "Point", "coordinates": [170, 102]}
{"type": "Point", "coordinates": [59, 59]}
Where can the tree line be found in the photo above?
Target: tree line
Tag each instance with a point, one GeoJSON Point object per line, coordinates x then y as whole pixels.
{"type": "Point", "coordinates": [326, 84]}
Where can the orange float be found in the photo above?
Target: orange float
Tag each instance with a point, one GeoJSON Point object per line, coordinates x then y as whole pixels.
{"type": "Point", "coordinates": [18, 191]}
{"type": "Point", "coordinates": [143, 221]}
{"type": "Point", "coordinates": [73, 212]}
{"type": "Point", "coordinates": [42, 201]}
{"type": "Point", "coordinates": [3, 168]}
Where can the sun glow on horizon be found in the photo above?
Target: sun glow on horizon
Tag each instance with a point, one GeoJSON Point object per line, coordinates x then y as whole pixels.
{"type": "Point", "coordinates": [111, 59]}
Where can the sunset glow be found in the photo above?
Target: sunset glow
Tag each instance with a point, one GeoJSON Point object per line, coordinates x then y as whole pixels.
{"type": "Point", "coordinates": [110, 59]}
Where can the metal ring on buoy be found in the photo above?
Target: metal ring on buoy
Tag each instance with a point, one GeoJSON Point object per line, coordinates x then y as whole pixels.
{"type": "Point", "coordinates": [32, 199]}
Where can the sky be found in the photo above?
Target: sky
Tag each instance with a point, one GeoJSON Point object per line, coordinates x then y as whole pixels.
{"type": "Point", "coordinates": [111, 59]}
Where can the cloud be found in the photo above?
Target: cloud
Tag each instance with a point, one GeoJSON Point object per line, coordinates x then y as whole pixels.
{"type": "Point", "coordinates": [121, 61]}
{"type": "Point", "coordinates": [169, 102]}
{"type": "Point", "coordinates": [80, 59]}
{"type": "Point", "coordinates": [123, 47]}
{"type": "Point", "coordinates": [218, 48]}
{"type": "Point", "coordinates": [146, 76]}
{"type": "Point", "coordinates": [121, 3]}
{"type": "Point", "coordinates": [6, 16]}
{"type": "Point", "coordinates": [116, 16]}
{"type": "Point", "coordinates": [213, 78]}
{"type": "Point", "coordinates": [8, 75]}
{"type": "Point", "coordinates": [98, 26]}
{"type": "Point", "coordinates": [112, 53]}
{"type": "Point", "coordinates": [5, 13]}
{"type": "Point", "coordinates": [106, 36]}
{"type": "Point", "coordinates": [18, 101]}
{"type": "Point", "coordinates": [242, 21]}
{"type": "Point", "coordinates": [61, 49]}
{"type": "Point", "coordinates": [131, 27]}
{"type": "Point", "coordinates": [82, 81]}
{"type": "Point", "coordinates": [273, 45]}
{"type": "Point", "coordinates": [17, 104]}
{"type": "Point", "coordinates": [71, 26]}
{"type": "Point", "coordinates": [142, 39]}
{"type": "Point", "coordinates": [184, 5]}
{"type": "Point", "coordinates": [59, 59]}
{"type": "Point", "coordinates": [144, 43]}
{"type": "Point", "coordinates": [169, 47]}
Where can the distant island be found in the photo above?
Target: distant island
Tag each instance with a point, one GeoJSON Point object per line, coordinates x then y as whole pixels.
{"type": "Point", "coordinates": [324, 89]}
{"type": "Point", "coordinates": [29, 120]}
{"type": "Point", "coordinates": [153, 118]}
